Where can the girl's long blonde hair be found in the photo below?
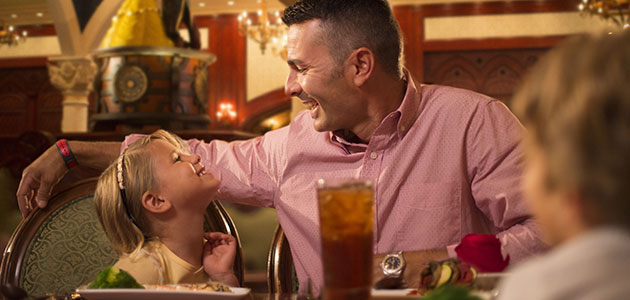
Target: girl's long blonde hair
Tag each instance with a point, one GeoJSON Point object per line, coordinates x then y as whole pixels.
{"type": "Point", "coordinates": [127, 227]}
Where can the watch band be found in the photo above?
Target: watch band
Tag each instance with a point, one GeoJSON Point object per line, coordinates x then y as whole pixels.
{"type": "Point", "coordinates": [66, 153]}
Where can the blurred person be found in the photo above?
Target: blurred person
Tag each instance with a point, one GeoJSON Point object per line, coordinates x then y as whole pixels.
{"type": "Point", "coordinates": [151, 202]}
{"type": "Point", "coordinates": [575, 105]}
{"type": "Point", "coordinates": [444, 162]}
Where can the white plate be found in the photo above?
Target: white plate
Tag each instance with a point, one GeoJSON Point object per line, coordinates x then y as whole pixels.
{"type": "Point", "coordinates": [393, 294]}
{"type": "Point", "coordinates": [403, 294]}
{"type": "Point", "coordinates": [147, 294]}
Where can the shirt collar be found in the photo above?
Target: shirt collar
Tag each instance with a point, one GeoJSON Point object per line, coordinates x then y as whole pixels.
{"type": "Point", "coordinates": [409, 108]}
{"type": "Point", "coordinates": [408, 111]}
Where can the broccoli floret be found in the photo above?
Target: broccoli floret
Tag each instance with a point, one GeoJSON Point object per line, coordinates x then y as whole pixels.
{"type": "Point", "coordinates": [112, 278]}
{"type": "Point", "coordinates": [451, 292]}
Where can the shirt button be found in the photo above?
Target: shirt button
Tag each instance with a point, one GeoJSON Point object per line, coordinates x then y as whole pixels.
{"type": "Point", "coordinates": [402, 128]}
{"type": "Point", "coordinates": [373, 155]}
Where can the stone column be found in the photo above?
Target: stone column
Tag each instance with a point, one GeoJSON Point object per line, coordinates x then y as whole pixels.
{"type": "Point", "coordinates": [74, 77]}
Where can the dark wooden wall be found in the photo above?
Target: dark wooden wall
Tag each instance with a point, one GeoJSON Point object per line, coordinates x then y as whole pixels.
{"type": "Point", "coordinates": [27, 99]}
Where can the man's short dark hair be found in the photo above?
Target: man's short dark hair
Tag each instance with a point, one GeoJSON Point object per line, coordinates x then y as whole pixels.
{"type": "Point", "coordinates": [350, 24]}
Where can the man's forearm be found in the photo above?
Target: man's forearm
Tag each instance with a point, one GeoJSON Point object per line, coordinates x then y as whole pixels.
{"type": "Point", "coordinates": [414, 261]}
{"type": "Point", "coordinates": [96, 155]}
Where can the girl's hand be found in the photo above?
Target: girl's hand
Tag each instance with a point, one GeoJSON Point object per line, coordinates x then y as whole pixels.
{"type": "Point", "coordinates": [218, 254]}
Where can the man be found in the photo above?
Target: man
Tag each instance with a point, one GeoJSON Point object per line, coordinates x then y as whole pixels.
{"type": "Point", "coordinates": [444, 162]}
{"type": "Point", "coordinates": [576, 106]}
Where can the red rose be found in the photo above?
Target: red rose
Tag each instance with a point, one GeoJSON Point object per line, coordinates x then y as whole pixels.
{"type": "Point", "coordinates": [483, 251]}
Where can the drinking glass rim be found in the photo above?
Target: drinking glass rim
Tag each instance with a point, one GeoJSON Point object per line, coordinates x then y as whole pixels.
{"type": "Point", "coordinates": [338, 182]}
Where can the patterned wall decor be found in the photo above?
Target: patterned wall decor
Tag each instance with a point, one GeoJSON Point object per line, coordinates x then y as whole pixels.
{"type": "Point", "coordinates": [28, 101]}
{"type": "Point", "coordinates": [496, 73]}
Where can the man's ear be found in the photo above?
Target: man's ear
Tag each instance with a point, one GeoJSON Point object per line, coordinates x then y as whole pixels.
{"type": "Point", "coordinates": [154, 203]}
{"type": "Point", "coordinates": [362, 64]}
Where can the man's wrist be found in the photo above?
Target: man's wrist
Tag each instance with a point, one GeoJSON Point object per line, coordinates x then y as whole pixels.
{"type": "Point", "coordinates": [68, 157]}
{"type": "Point", "coordinates": [414, 261]}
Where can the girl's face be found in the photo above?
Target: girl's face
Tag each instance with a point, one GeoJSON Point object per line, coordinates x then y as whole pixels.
{"type": "Point", "coordinates": [181, 178]}
{"type": "Point", "coordinates": [546, 204]}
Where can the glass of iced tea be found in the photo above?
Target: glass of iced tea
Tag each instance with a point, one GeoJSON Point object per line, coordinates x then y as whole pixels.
{"type": "Point", "coordinates": [346, 209]}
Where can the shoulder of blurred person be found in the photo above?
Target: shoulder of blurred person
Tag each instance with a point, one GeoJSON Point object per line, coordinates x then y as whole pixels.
{"type": "Point", "coordinates": [592, 266]}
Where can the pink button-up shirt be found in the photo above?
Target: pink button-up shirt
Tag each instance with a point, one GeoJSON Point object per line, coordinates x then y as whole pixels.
{"type": "Point", "coordinates": [445, 164]}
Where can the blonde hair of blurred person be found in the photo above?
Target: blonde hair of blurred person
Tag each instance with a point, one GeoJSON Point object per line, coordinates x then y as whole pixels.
{"type": "Point", "coordinates": [134, 225]}
{"type": "Point", "coordinates": [575, 104]}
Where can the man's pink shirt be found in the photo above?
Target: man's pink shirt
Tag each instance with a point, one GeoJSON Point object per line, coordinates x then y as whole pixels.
{"type": "Point", "coordinates": [445, 164]}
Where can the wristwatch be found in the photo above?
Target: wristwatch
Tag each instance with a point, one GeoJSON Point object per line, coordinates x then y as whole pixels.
{"type": "Point", "coordinates": [393, 264]}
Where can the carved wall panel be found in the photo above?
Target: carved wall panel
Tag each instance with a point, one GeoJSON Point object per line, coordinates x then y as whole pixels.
{"type": "Point", "coordinates": [17, 93]}
{"type": "Point", "coordinates": [496, 73]}
{"type": "Point", "coordinates": [29, 102]}
{"type": "Point", "coordinates": [13, 112]}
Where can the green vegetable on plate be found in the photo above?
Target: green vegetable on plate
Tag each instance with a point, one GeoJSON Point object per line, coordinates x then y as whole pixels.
{"type": "Point", "coordinates": [114, 278]}
{"type": "Point", "coordinates": [450, 292]}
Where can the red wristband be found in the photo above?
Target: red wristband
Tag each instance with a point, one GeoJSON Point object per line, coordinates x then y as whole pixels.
{"type": "Point", "coordinates": [66, 153]}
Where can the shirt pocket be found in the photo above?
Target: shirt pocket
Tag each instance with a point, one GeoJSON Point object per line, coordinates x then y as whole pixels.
{"type": "Point", "coordinates": [431, 214]}
{"type": "Point", "coordinates": [427, 196]}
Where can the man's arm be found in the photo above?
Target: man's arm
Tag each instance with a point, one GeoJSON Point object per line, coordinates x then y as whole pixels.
{"type": "Point", "coordinates": [414, 261]}
{"type": "Point", "coordinates": [496, 170]}
{"type": "Point", "coordinates": [44, 173]}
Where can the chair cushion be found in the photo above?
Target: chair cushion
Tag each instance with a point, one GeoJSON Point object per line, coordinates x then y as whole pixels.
{"type": "Point", "coordinates": [69, 248]}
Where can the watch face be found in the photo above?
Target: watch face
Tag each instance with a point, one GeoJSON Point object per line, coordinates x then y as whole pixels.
{"type": "Point", "coordinates": [392, 263]}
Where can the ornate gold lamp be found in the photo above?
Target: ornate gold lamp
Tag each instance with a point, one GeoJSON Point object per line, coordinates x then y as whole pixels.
{"type": "Point", "coordinates": [617, 11]}
{"type": "Point", "coordinates": [266, 31]}
{"type": "Point", "coordinates": [9, 36]}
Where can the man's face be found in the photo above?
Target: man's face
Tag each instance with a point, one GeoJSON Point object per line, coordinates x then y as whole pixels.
{"type": "Point", "coordinates": [321, 84]}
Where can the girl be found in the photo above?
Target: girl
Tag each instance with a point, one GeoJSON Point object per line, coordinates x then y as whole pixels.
{"type": "Point", "coordinates": [151, 203]}
{"type": "Point", "coordinates": [576, 106]}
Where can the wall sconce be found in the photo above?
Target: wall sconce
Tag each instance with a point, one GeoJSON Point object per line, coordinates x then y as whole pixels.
{"type": "Point", "coordinates": [226, 114]}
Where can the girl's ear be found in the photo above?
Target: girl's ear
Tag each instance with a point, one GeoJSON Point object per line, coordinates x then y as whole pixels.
{"type": "Point", "coordinates": [154, 203]}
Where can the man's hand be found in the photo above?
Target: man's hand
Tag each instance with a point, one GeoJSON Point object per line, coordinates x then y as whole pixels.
{"type": "Point", "coordinates": [38, 179]}
{"type": "Point", "coordinates": [414, 260]}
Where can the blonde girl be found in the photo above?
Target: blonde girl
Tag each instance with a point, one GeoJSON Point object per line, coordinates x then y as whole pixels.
{"type": "Point", "coordinates": [151, 202]}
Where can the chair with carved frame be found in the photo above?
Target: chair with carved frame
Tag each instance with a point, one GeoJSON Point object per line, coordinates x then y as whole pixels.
{"type": "Point", "coordinates": [281, 276]}
{"type": "Point", "coordinates": [63, 246]}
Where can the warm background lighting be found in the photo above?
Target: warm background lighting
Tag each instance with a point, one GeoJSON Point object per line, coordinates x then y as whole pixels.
{"type": "Point", "coordinates": [617, 11]}
{"type": "Point", "coordinates": [9, 36]}
{"type": "Point", "coordinates": [226, 113]}
{"type": "Point", "coordinates": [268, 30]}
